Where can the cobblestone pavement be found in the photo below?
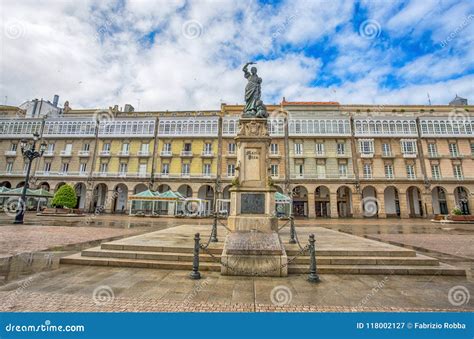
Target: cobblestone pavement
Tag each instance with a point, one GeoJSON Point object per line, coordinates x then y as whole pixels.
{"type": "Point", "coordinates": [82, 288]}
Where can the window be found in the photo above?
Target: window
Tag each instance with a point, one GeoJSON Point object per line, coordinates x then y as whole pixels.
{"type": "Point", "coordinates": [166, 147]}
{"type": "Point", "coordinates": [25, 167]}
{"type": "Point", "coordinates": [366, 147]}
{"type": "Point", "coordinates": [165, 169]}
{"type": "Point", "coordinates": [142, 169]}
{"type": "Point", "coordinates": [453, 150]}
{"type": "Point", "coordinates": [185, 169]}
{"type": "Point", "coordinates": [85, 147]}
{"type": "Point", "coordinates": [145, 147]}
{"type": "Point", "coordinates": [410, 171]}
{"type": "Point", "coordinates": [435, 172]}
{"type": "Point", "coordinates": [103, 167]}
{"type": "Point", "coordinates": [64, 167]}
{"type": "Point", "coordinates": [408, 147]}
{"type": "Point", "coordinates": [341, 148]}
{"type": "Point", "coordinates": [207, 148]}
{"type": "Point", "coordinates": [388, 171]}
{"type": "Point", "coordinates": [125, 148]}
{"type": "Point", "coordinates": [367, 171]}
{"type": "Point", "coordinates": [231, 148]}
{"type": "Point", "coordinates": [82, 167]}
{"type": "Point", "coordinates": [386, 150]}
{"type": "Point", "coordinates": [68, 149]}
{"type": "Point", "coordinates": [13, 147]}
{"type": "Point", "coordinates": [274, 170]}
{"type": "Point", "coordinates": [50, 148]}
{"type": "Point", "coordinates": [319, 149]}
{"type": "Point", "coordinates": [123, 168]}
{"type": "Point", "coordinates": [47, 166]}
{"type": "Point", "coordinates": [206, 169]}
{"type": "Point", "coordinates": [432, 150]}
{"type": "Point", "coordinates": [300, 170]}
{"type": "Point", "coordinates": [9, 168]}
{"type": "Point", "coordinates": [230, 170]}
{"type": "Point", "coordinates": [187, 147]}
{"type": "Point", "coordinates": [457, 170]}
{"type": "Point", "coordinates": [298, 149]}
{"type": "Point", "coordinates": [273, 148]}
{"type": "Point", "coordinates": [106, 147]}
{"type": "Point", "coordinates": [342, 170]}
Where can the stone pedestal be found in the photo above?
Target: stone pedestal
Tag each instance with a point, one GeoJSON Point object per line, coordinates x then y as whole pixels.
{"type": "Point", "coordinates": [252, 217]}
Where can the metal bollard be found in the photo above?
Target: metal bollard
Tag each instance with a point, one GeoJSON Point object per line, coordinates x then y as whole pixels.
{"type": "Point", "coordinates": [214, 229]}
{"type": "Point", "coordinates": [313, 276]}
{"type": "Point", "coordinates": [292, 231]}
{"type": "Point", "coordinates": [195, 273]}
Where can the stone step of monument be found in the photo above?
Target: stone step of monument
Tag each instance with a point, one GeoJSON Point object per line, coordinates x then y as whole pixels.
{"type": "Point", "coordinates": [442, 269]}
{"type": "Point", "coordinates": [161, 249]}
{"type": "Point", "coordinates": [165, 256]}
{"type": "Point", "coordinates": [78, 259]}
{"type": "Point", "coordinates": [322, 260]}
{"type": "Point", "coordinates": [356, 253]}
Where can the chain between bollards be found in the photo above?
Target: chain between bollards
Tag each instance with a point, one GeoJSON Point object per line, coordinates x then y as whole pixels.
{"type": "Point", "coordinates": [214, 229]}
{"type": "Point", "coordinates": [313, 276]}
{"type": "Point", "coordinates": [292, 231]}
{"type": "Point", "coordinates": [195, 273]}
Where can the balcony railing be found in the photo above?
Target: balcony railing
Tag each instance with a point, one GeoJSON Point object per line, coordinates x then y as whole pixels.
{"type": "Point", "coordinates": [83, 153]}
{"type": "Point", "coordinates": [366, 155]}
{"type": "Point", "coordinates": [410, 155]}
{"type": "Point", "coordinates": [10, 153]}
{"type": "Point", "coordinates": [121, 174]}
{"type": "Point", "coordinates": [104, 153]}
{"type": "Point", "coordinates": [207, 154]}
{"type": "Point", "coordinates": [143, 153]}
{"type": "Point", "coordinates": [166, 153]}
{"type": "Point", "coordinates": [123, 153]}
{"type": "Point", "coordinates": [186, 153]}
{"type": "Point", "coordinates": [48, 154]}
{"type": "Point", "coordinates": [179, 175]}
{"type": "Point", "coordinates": [60, 174]}
{"type": "Point", "coordinates": [13, 173]}
{"type": "Point", "coordinates": [321, 176]}
{"type": "Point", "coordinates": [66, 153]}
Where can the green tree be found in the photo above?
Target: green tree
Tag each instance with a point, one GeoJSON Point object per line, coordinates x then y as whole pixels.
{"type": "Point", "coordinates": [65, 197]}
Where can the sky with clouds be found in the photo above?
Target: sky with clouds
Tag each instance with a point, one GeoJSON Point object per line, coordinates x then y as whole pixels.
{"type": "Point", "coordinates": [188, 55]}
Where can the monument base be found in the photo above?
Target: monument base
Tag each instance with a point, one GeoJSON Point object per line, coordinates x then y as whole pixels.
{"type": "Point", "coordinates": [254, 254]}
{"type": "Point", "coordinates": [252, 222]}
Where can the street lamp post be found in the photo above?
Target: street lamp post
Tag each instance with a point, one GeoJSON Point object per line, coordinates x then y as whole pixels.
{"type": "Point", "coordinates": [29, 152]}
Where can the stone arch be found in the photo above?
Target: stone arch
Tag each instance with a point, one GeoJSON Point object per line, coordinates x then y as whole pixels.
{"type": "Point", "coordinates": [226, 192]}
{"type": "Point", "coordinates": [185, 190]}
{"type": "Point", "coordinates": [344, 202]}
{"type": "Point", "coordinates": [163, 188]}
{"type": "Point", "coordinates": [461, 199]}
{"type": "Point", "coordinates": [206, 192]}
{"type": "Point", "coordinates": [279, 189]}
{"type": "Point", "coordinates": [369, 202]}
{"type": "Point", "coordinates": [439, 200]}
{"type": "Point", "coordinates": [322, 202]}
{"type": "Point", "coordinates": [6, 184]}
{"type": "Point", "coordinates": [300, 201]}
{"type": "Point", "coordinates": [99, 197]}
{"type": "Point", "coordinates": [414, 202]}
{"type": "Point", "coordinates": [58, 186]}
{"type": "Point", "coordinates": [20, 184]}
{"type": "Point", "coordinates": [81, 193]}
{"type": "Point", "coordinates": [391, 199]}
{"type": "Point", "coordinates": [139, 188]}
{"type": "Point", "coordinates": [44, 185]}
{"type": "Point", "coordinates": [120, 198]}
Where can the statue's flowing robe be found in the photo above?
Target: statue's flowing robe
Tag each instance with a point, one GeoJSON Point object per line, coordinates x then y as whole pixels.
{"type": "Point", "coordinates": [252, 92]}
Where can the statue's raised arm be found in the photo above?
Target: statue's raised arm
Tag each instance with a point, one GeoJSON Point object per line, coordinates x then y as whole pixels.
{"type": "Point", "coordinates": [245, 69]}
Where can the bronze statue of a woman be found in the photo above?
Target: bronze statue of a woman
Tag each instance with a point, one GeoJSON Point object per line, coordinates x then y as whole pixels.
{"type": "Point", "coordinates": [254, 106]}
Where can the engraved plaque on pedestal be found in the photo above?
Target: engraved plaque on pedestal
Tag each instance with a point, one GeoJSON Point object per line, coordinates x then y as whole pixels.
{"type": "Point", "coordinates": [252, 203]}
{"type": "Point", "coordinates": [252, 164]}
